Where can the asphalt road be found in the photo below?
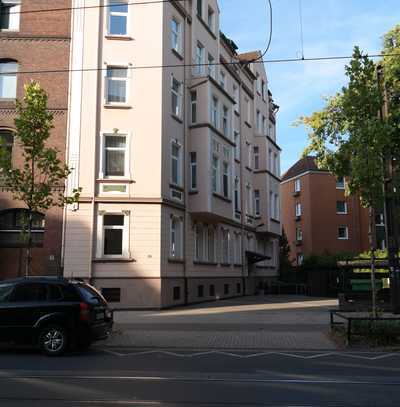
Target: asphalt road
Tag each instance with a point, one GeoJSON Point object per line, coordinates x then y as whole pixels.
{"type": "Point", "coordinates": [123, 377]}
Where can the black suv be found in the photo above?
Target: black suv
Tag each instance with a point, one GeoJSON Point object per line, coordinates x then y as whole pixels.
{"type": "Point", "coordinates": [52, 314]}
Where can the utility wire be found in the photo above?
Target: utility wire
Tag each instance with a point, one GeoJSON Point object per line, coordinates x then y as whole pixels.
{"type": "Point", "coordinates": [51, 10]}
{"type": "Point", "coordinates": [170, 66]}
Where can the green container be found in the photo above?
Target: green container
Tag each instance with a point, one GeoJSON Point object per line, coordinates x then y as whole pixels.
{"type": "Point", "coordinates": [364, 284]}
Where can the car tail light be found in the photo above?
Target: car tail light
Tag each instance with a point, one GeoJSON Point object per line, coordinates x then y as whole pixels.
{"type": "Point", "coordinates": [84, 314]}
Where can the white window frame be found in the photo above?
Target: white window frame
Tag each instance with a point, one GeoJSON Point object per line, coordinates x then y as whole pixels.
{"type": "Point", "coordinates": [211, 256]}
{"type": "Point", "coordinates": [211, 66]}
{"type": "Point", "coordinates": [178, 158]}
{"type": "Point", "coordinates": [345, 212]}
{"type": "Point", "coordinates": [118, 133]}
{"type": "Point", "coordinates": [14, 16]}
{"type": "Point", "coordinates": [256, 157]}
{"type": "Point", "coordinates": [193, 107]}
{"type": "Point", "coordinates": [248, 110]}
{"type": "Point", "coordinates": [236, 140]}
{"type": "Point", "coordinates": [176, 35]}
{"type": "Point", "coordinates": [193, 171]}
{"type": "Point", "coordinates": [214, 111]}
{"type": "Point", "coordinates": [299, 234]}
{"type": "Point", "coordinates": [178, 95]}
{"type": "Point", "coordinates": [339, 185]}
{"type": "Point", "coordinates": [238, 249]}
{"type": "Point", "coordinates": [236, 196]}
{"type": "Point", "coordinates": [271, 205]}
{"type": "Point", "coordinates": [298, 209]}
{"type": "Point", "coordinates": [249, 200]}
{"type": "Point", "coordinates": [101, 235]}
{"type": "Point", "coordinates": [225, 125]}
{"type": "Point", "coordinates": [258, 121]}
{"type": "Point", "coordinates": [236, 97]}
{"type": "Point", "coordinates": [222, 79]}
{"type": "Point", "coordinates": [215, 173]}
{"type": "Point", "coordinates": [211, 21]}
{"type": "Point", "coordinates": [176, 251]}
{"type": "Point", "coordinates": [198, 239]}
{"type": "Point", "coordinates": [257, 202]}
{"type": "Point", "coordinates": [226, 174]}
{"type": "Point", "coordinates": [12, 67]}
{"type": "Point", "coordinates": [277, 207]}
{"type": "Point", "coordinates": [346, 228]}
{"type": "Point", "coordinates": [297, 185]}
{"type": "Point", "coordinates": [264, 126]}
{"type": "Point", "coordinates": [225, 246]}
{"type": "Point", "coordinates": [127, 86]}
{"type": "Point", "coordinates": [199, 59]}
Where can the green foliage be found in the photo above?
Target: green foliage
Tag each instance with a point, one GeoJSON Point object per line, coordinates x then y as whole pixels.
{"type": "Point", "coordinates": [284, 253]}
{"type": "Point", "coordinates": [39, 182]}
{"type": "Point", "coordinates": [348, 137]}
{"type": "Point", "coordinates": [326, 261]}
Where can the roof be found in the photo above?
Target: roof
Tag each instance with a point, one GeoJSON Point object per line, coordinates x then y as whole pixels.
{"type": "Point", "coordinates": [303, 165]}
{"type": "Point", "coordinates": [249, 56]}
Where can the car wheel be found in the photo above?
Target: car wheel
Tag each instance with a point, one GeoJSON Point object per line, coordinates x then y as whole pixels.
{"type": "Point", "coordinates": [53, 340]}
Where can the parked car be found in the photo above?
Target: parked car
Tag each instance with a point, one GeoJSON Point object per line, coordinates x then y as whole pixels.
{"type": "Point", "coordinates": [52, 314]}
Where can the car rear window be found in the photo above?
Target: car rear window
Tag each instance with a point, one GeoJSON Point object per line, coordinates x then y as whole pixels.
{"type": "Point", "coordinates": [5, 292]}
{"type": "Point", "coordinates": [90, 295]}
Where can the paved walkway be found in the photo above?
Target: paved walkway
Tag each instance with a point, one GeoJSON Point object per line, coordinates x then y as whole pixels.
{"type": "Point", "coordinates": [259, 322]}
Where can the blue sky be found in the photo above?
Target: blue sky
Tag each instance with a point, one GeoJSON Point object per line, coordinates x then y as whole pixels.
{"type": "Point", "coordinates": [330, 27]}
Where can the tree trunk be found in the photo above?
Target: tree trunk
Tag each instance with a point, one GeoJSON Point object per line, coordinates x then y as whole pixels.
{"type": "Point", "coordinates": [28, 265]}
{"type": "Point", "coordinates": [372, 240]}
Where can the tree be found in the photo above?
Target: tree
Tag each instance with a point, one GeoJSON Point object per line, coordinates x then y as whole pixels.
{"type": "Point", "coordinates": [349, 139]}
{"type": "Point", "coordinates": [39, 181]}
{"type": "Point", "coordinates": [284, 253]}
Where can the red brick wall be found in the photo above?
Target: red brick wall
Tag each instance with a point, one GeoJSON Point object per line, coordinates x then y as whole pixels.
{"type": "Point", "coordinates": [42, 43]}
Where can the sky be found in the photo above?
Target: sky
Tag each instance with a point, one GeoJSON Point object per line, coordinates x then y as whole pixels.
{"type": "Point", "coordinates": [330, 28]}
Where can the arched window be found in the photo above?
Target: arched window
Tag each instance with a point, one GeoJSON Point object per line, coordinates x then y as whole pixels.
{"type": "Point", "coordinates": [6, 144]}
{"type": "Point", "coordinates": [15, 221]}
{"type": "Point", "coordinates": [8, 79]}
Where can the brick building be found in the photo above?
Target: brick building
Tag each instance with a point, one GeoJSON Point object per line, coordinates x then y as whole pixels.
{"type": "Point", "coordinates": [317, 216]}
{"type": "Point", "coordinates": [32, 39]}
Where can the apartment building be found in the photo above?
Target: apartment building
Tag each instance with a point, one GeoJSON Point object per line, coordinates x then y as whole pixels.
{"type": "Point", "coordinates": [173, 143]}
{"type": "Point", "coordinates": [317, 216]}
{"type": "Point", "coordinates": [31, 40]}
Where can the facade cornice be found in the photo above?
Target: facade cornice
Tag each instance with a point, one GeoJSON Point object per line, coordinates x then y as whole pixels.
{"type": "Point", "coordinates": [273, 143]}
{"type": "Point", "coordinates": [44, 38]}
{"type": "Point", "coordinates": [221, 89]}
{"type": "Point", "coordinates": [322, 172]}
{"type": "Point", "coordinates": [210, 126]}
{"type": "Point", "coordinates": [269, 173]}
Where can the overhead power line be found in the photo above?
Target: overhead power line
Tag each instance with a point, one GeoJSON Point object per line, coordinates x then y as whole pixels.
{"type": "Point", "coordinates": [108, 5]}
{"type": "Point", "coordinates": [170, 66]}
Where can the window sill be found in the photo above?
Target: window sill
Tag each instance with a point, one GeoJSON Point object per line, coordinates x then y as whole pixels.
{"type": "Point", "coordinates": [115, 260]}
{"type": "Point", "coordinates": [194, 192]}
{"type": "Point", "coordinates": [114, 181]}
{"type": "Point", "coordinates": [342, 213]}
{"type": "Point", "coordinates": [175, 261]}
{"type": "Point", "coordinates": [177, 118]}
{"type": "Point", "coordinates": [117, 106]}
{"type": "Point", "coordinates": [118, 37]}
{"type": "Point", "coordinates": [177, 54]}
{"type": "Point", "coordinates": [176, 186]}
{"type": "Point", "coordinates": [343, 238]}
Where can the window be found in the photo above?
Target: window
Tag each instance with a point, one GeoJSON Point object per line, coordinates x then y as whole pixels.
{"type": "Point", "coordinates": [200, 291]}
{"type": "Point", "coordinates": [343, 232]}
{"type": "Point", "coordinates": [214, 112]}
{"type": "Point", "coordinates": [199, 242]}
{"type": "Point", "coordinates": [225, 179]}
{"type": "Point", "coordinates": [249, 200]}
{"type": "Point", "coordinates": [225, 246]}
{"type": "Point", "coordinates": [211, 66]}
{"type": "Point", "coordinates": [258, 121]}
{"type": "Point", "coordinates": [300, 259]}
{"type": "Point", "coordinates": [248, 110]}
{"type": "Point", "coordinates": [225, 121]}
{"type": "Point", "coordinates": [176, 238]}
{"type": "Point", "coordinates": [238, 249]}
{"type": "Point", "coordinates": [237, 195]}
{"type": "Point", "coordinates": [176, 36]}
{"type": "Point", "coordinates": [298, 209]}
{"type": "Point", "coordinates": [276, 206]}
{"type": "Point", "coordinates": [176, 293]}
{"type": "Point", "coordinates": [264, 126]}
{"type": "Point", "coordinates": [176, 97]}
{"type": "Point", "coordinates": [226, 289]}
{"type": "Point", "coordinates": [199, 59]}
{"type": "Point", "coordinates": [115, 152]}
{"type": "Point", "coordinates": [271, 205]}
{"type": "Point", "coordinates": [271, 160]}
{"type": "Point", "coordinates": [113, 235]}
{"type": "Point", "coordinates": [340, 183]}
{"type": "Point", "coordinates": [299, 234]}
{"type": "Point", "coordinates": [215, 174]}
{"type": "Point", "coordinates": [200, 8]}
{"type": "Point", "coordinates": [257, 206]}
{"type": "Point", "coordinates": [263, 90]}
{"type": "Point", "coordinates": [118, 17]}
{"type": "Point", "coordinates": [236, 97]}
{"type": "Point", "coordinates": [238, 288]}
{"type": "Point", "coordinates": [13, 221]}
{"type": "Point", "coordinates": [8, 79]}
{"type": "Point", "coordinates": [297, 185]}
{"type": "Point", "coordinates": [276, 164]}
{"type": "Point", "coordinates": [31, 292]}
{"type": "Point", "coordinates": [256, 154]}
{"type": "Point", "coordinates": [175, 164]}
{"type": "Point", "coordinates": [210, 19]}
{"type": "Point", "coordinates": [6, 144]}
{"type": "Point", "coordinates": [117, 90]}
{"type": "Point", "coordinates": [111, 294]}
{"type": "Point", "coordinates": [9, 15]}
{"type": "Point", "coordinates": [212, 290]}
{"type": "Point", "coordinates": [222, 79]}
{"type": "Point", "coordinates": [211, 244]}
{"type": "Point", "coordinates": [236, 137]}
{"type": "Point", "coordinates": [249, 155]}
{"type": "Point", "coordinates": [193, 171]}
{"type": "Point", "coordinates": [193, 104]}
{"type": "Point", "coordinates": [258, 83]}
{"type": "Point", "coordinates": [341, 207]}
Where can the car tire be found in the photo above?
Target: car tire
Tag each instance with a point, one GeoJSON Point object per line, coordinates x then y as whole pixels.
{"type": "Point", "coordinates": [53, 340]}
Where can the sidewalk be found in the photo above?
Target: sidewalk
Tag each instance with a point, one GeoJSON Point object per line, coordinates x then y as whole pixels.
{"type": "Point", "coordinates": [259, 322]}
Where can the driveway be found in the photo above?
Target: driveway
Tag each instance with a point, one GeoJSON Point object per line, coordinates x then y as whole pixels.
{"type": "Point", "coordinates": [249, 323]}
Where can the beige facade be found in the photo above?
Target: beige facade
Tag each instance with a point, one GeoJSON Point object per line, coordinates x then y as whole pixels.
{"type": "Point", "coordinates": [173, 143]}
